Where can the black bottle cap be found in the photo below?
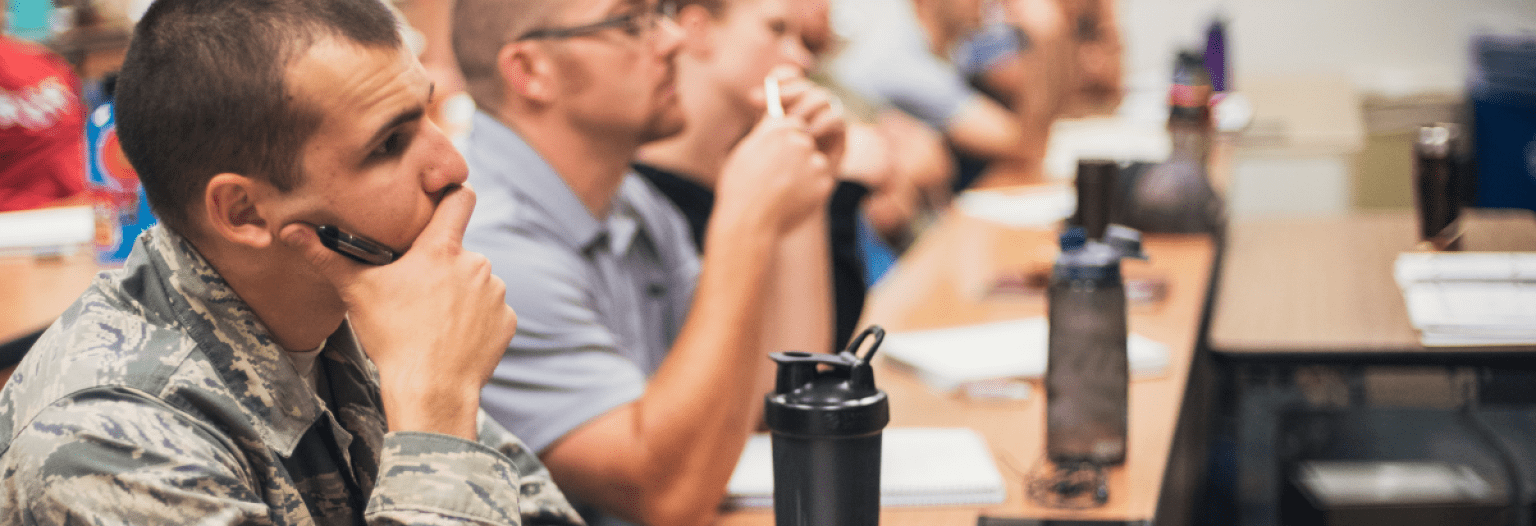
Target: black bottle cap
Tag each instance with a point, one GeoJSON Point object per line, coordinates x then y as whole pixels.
{"type": "Point", "coordinates": [832, 395]}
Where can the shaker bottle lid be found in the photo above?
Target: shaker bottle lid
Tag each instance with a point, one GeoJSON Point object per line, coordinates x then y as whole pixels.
{"type": "Point", "coordinates": [828, 394]}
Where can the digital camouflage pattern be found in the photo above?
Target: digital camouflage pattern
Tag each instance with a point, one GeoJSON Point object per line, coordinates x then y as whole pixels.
{"type": "Point", "coordinates": [159, 398]}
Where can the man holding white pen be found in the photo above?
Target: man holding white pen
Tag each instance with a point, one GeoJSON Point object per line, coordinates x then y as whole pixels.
{"type": "Point", "coordinates": [729, 47]}
{"type": "Point", "coordinates": [639, 366]}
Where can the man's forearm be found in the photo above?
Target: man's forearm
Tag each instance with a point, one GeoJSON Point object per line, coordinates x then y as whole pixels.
{"type": "Point", "coordinates": [798, 313]}
{"type": "Point", "coordinates": [706, 398]}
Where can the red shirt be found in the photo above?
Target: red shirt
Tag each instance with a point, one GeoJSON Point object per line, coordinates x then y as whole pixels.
{"type": "Point", "coordinates": [42, 127]}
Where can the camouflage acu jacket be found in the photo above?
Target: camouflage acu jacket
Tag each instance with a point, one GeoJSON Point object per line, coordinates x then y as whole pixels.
{"type": "Point", "coordinates": [159, 398]}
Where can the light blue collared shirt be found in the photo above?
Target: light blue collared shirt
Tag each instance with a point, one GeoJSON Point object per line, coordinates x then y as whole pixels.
{"type": "Point", "coordinates": [599, 301]}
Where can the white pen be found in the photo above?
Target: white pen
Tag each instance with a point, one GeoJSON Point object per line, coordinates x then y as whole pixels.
{"type": "Point", "coordinates": [771, 93]}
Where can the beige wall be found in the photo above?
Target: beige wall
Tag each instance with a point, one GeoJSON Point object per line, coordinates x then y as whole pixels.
{"type": "Point", "coordinates": [1390, 47]}
{"type": "Point", "coordinates": [1406, 59]}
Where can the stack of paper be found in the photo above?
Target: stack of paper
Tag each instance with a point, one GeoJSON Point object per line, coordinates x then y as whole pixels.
{"type": "Point", "coordinates": [919, 466]}
{"type": "Point", "coordinates": [1470, 298]}
{"type": "Point", "coordinates": [949, 358]}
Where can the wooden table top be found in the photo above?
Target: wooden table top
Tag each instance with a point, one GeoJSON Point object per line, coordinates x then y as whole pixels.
{"type": "Point", "coordinates": [36, 290]}
{"type": "Point", "coordinates": [944, 281]}
{"type": "Point", "coordinates": [1324, 286]}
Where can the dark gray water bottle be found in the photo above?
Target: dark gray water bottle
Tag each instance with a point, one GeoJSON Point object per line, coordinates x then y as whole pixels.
{"type": "Point", "coordinates": [1175, 196]}
{"type": "Point", "coordinates": [827, 416]}
{"type": "Point", "coordinates": [1088, 373]}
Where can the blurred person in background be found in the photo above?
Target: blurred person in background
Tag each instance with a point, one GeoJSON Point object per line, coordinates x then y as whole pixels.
{"type": "Point", "coordinates": [729, 48]}
{"type": "Point", "coordinates": [42, 127]}
{"type": "Point", "coordinates": [639, 366]}
{"type": "Point", "coordinates": [1005, 61]}
{"type": "Point", "coordinates": [898, 53]}
{"type": "Point", "coordinates": [905, 164]}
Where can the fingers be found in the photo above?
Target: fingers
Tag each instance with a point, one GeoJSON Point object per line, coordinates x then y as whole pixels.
{"type": "Point", "coordinates": [787, 123]}
{"type": "Point", "coordinates": [811, 103]}
{"type": "Point", "coordinates": [446, 228]}
{"type": "Point", "coordinates": [451, 217]}
{"type": "Point", "coordinates": [782, 74]}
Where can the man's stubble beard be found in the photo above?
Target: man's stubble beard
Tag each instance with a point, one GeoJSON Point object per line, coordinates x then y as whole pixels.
{"type": "Point", "coordinates": [664, 124]}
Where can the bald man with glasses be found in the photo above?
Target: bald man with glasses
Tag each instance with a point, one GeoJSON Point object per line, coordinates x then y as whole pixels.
{"type": "Point", "coordinates": [639, 366]}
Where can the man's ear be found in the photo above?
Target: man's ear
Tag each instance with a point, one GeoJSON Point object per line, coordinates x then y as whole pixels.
{"type": "Point", "coordinates": [528, 71]}
{"type": "Point", "coordinates": [230, 203]}
{"type": "Point", "coordinates": [697, 24]}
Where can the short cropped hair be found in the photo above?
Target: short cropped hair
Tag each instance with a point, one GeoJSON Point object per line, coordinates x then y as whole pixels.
{"type": "Point", "coordinates": [203, 91]}
{"type": "Point", "coordinates": [481, 28]}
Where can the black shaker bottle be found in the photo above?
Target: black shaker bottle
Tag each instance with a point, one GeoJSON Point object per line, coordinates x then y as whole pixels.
{"type": "Point", "coordinates": [1088, 372]}
{"type": "Point", "coordinates": [827, 416]}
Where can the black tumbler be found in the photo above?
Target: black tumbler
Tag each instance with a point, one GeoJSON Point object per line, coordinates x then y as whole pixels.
{"type": "Point", "coordinates": [826, 416]}
{"type": "Point", "coordinates": [1435, 185]}
{"type": "Point", "coordinates": [1096, 184]}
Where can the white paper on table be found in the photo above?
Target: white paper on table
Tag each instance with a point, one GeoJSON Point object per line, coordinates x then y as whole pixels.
{"type": "Point", "coordinates": [1473, 312]}
{"type": "Point", "coordinates": [919, 466]}
{"type": "Point", "coordinates": [1036, 207]}
{"type": "Point", "coordinates": [947, 358]}
{"type": "Point", "coordinates": [1413, 267]}
{"type": "Point", "coordinates": [1470, 298]}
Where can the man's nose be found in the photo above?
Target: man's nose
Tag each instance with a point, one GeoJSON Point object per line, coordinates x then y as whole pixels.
{"type": "Point", "coordinates": [445, 165]}
{"type": "Point", "coordinates": [669, 37]}
{"type": "Point", "coordinates": [793, 52]}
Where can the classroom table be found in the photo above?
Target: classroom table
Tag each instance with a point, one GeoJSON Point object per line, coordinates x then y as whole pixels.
{"type": "Point", "coordinates": [945, 280]}
{"type": "Point", "coordinates": [1321, 289]}
{"type": "Point", "coordinates": [35, 290]}
{"type": "Point", "coordinates": [1299, 293]}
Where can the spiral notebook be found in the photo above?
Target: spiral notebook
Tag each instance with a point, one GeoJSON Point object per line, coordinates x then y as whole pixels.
{"type": "Point", "coordinates": [919, 466]}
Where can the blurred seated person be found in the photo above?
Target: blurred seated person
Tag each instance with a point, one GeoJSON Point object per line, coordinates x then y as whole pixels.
{"type": "Point", "coordinates": [904, 163]}
{"type": "Point", "coordinates": [997, 61]}
{"type": "Point", "coordinates": [42, 128]}
{"type": "Point", "coordinates": [897, 52]}
{"type": "Point", "coordinates": [729, 48]}
{"type": "Point", "coordinates": [640, 363]}
{"type": "Point", "coordinates": [236, 371]}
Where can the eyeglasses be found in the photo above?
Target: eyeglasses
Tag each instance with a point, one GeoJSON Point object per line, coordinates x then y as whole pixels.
{"type": "Point", "coordinates": [634, 23]}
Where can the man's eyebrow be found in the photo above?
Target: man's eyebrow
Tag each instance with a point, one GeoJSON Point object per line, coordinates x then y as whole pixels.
{"type": "Point", "coordinates": [409, 115]}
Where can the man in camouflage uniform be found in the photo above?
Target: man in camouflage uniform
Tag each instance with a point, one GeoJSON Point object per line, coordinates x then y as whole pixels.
{"type": "Point", "coordinates": [237, 372]}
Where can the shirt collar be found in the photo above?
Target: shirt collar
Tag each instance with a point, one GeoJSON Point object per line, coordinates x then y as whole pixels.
{"type": "Point", "coordinates": [511, 161]}
{"type": "Point", "coordinates": [254, 369]}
